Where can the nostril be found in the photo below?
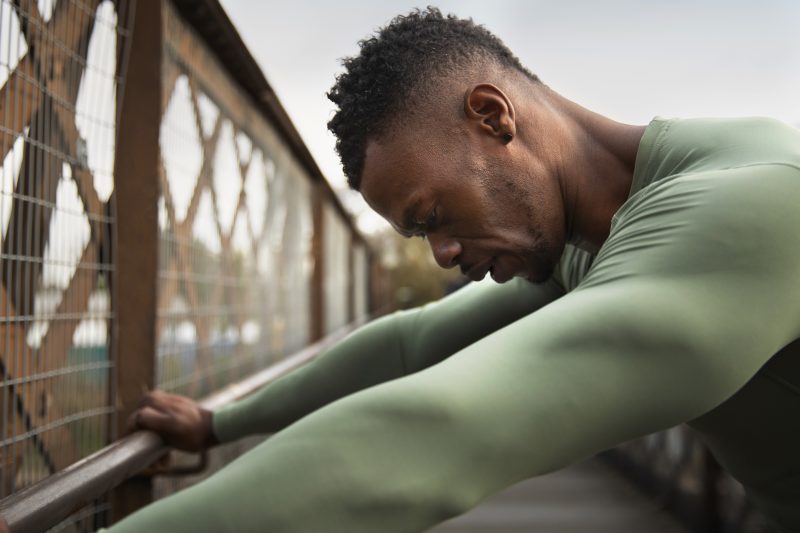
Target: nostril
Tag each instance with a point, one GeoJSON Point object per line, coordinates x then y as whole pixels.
{"type": "Point", "coordinates": [454, 261]}
{"type": "Point", "coordinates": [447, 253]}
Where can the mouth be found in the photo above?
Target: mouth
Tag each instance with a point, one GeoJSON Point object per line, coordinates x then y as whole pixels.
{"type": "Point", "coordinates": [479, 271]}
{"type": "Point", "coordinates": [502, 271]}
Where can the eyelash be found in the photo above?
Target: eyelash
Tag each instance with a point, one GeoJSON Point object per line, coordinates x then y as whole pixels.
{"type": "Point", "coordinates": [429, 223]}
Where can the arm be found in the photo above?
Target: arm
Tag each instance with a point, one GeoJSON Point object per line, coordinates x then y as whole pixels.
{"type": "Point", "coordinates": [661, 331]}
{"type": "Point", "coordinates": [385, 349]}
{"type": "Point", "coordinates": [393, 346]}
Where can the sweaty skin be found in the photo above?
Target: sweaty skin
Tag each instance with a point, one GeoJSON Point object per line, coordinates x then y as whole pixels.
{"type": "Point", "coordinates": [419, 416]}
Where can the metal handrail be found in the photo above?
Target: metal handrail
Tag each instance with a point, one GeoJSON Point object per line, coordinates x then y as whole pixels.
{"type": "Point", "coordinates": [51, 500]}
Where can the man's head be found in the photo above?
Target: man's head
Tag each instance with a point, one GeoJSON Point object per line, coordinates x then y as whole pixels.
{"type": "Point", "coordinates": [438, 129]}
{"type": "Point", "coordinates": [396, 68]}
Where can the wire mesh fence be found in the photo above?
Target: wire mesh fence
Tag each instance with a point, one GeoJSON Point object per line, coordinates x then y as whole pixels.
{"type": "Point", "coordinates": [337, 246]}
{"type": "Point", "coordinates": [236, 232]}
{"type": "Point", "coordinates": [236, 229]}
{"type": "Point", "coordinates": [238, 278]}
{"type": "Point", "coordinates": [60, 68]}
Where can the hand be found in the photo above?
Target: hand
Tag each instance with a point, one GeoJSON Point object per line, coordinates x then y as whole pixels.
{"type": "Point", "coordinates": [4, 526]}
{"type": "Point", "coordinates": [180, 421]}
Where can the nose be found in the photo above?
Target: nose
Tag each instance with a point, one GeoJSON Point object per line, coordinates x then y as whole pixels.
{"type": "Point", "coordinates": [447, 252]}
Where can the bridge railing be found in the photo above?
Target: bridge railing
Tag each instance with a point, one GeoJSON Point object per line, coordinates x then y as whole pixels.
{"type": "Point", "coordinates": [163, 226]}
{"type": "Point", "coordinates": [51, 500]}
{"type": "Point", "coordinates": [61, 64]}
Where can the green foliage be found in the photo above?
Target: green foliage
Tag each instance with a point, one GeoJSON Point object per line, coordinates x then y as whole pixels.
{"type": "Point", "coordinates": [414, 275]}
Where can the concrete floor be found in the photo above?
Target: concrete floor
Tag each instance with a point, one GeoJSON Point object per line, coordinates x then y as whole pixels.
{"type": "Point", "coordinates": [584, 498]}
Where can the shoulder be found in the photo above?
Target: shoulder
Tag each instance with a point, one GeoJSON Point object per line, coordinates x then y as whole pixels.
{"type": "Point", "coordinates": [689, 145]}
{"type": "Point", "coordinates": [744, 217]}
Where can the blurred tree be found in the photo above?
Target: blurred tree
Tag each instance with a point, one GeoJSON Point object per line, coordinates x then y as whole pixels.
{"type": "Point", "coordinates": [414, 276]}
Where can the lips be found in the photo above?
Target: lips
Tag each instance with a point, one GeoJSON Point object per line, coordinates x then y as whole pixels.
{"type": "Point", "coordinates": [479, 271]}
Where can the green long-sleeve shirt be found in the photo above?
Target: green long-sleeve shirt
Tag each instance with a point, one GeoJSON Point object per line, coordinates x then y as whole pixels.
{"type": "Point", "coordinates": [679, 317]}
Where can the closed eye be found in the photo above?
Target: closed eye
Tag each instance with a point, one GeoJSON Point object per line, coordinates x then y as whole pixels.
{"type": "Point", "coordinates": [427, 226]}
{"type": "Point", "coordinates": [430, 222]}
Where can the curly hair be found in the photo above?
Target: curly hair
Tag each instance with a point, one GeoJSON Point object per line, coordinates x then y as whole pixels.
{"type": "Point", "coordinates": [395, 62]}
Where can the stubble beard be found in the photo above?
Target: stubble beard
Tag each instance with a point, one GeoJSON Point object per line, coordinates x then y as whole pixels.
{"type": "Point", "coordinates": [542, 256]}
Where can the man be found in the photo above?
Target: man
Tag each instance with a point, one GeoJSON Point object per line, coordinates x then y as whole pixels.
{"type": "Point", "coordinates": [648, 276]}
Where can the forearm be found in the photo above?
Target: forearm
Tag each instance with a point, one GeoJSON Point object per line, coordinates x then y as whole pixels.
{"type": "Point", "coordinates": [387, 348]}
{"type": "Point", "coordinates": [366, 357]}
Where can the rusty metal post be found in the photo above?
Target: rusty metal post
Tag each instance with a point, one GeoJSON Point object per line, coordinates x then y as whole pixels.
{"type": "Point", "coordinates": [136, 186]}
{"type": "Point", "coordinates": [318, 275]}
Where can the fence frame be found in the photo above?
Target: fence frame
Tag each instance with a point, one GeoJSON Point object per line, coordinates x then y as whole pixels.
{"type": "Point", "coordinates": [135, 255]}
{"type": "Point", "coordinates": [136, 251]}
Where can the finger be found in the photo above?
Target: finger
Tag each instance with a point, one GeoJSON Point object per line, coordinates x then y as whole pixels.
{"type": "Point", "coordinates": [150, 418]}
{"type": "Point", "coordinates": [132, 422]}
{"type": "Point", "coordinates": [153, 398]}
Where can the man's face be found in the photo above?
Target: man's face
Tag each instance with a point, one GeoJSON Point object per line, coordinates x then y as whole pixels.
{"type": "Point", "coordinates": [478, 209]}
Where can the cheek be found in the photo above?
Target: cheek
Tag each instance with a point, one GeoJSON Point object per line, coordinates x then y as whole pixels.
{"type": "Point", "coordinates": [549, 208]}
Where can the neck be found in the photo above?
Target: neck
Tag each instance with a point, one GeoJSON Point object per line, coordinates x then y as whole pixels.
{"type": "Point", "coordinates": [596, 170]}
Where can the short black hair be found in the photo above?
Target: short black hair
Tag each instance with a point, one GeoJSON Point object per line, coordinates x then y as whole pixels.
{"type": "Point", "coordinates": [412, 48]}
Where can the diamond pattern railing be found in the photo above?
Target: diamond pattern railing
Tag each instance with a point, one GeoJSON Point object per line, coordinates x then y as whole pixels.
{"type": "Point", "coordinates": [243, 226]}
{"type": "Point", "coordinates": [237, 230]}
{"type": "Point", "coordinates": [58, 82]}
{"type": "Point", "coordinates": [235, 237]}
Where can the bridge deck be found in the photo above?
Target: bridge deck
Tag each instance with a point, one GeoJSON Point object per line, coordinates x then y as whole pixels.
{"type": "Point", "coordinates": [585, 498]}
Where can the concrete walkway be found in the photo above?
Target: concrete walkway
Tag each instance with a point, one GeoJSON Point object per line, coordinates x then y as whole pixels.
{"type": "Point", "coordinates": [585, 498]}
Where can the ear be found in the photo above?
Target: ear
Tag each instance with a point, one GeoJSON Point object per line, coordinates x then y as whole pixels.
{"type": "Point", "coordinates": [491, 110]}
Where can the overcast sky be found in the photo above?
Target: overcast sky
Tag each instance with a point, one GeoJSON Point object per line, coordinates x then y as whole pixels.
{"type": "Point", "coordinates": [628, 59]}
